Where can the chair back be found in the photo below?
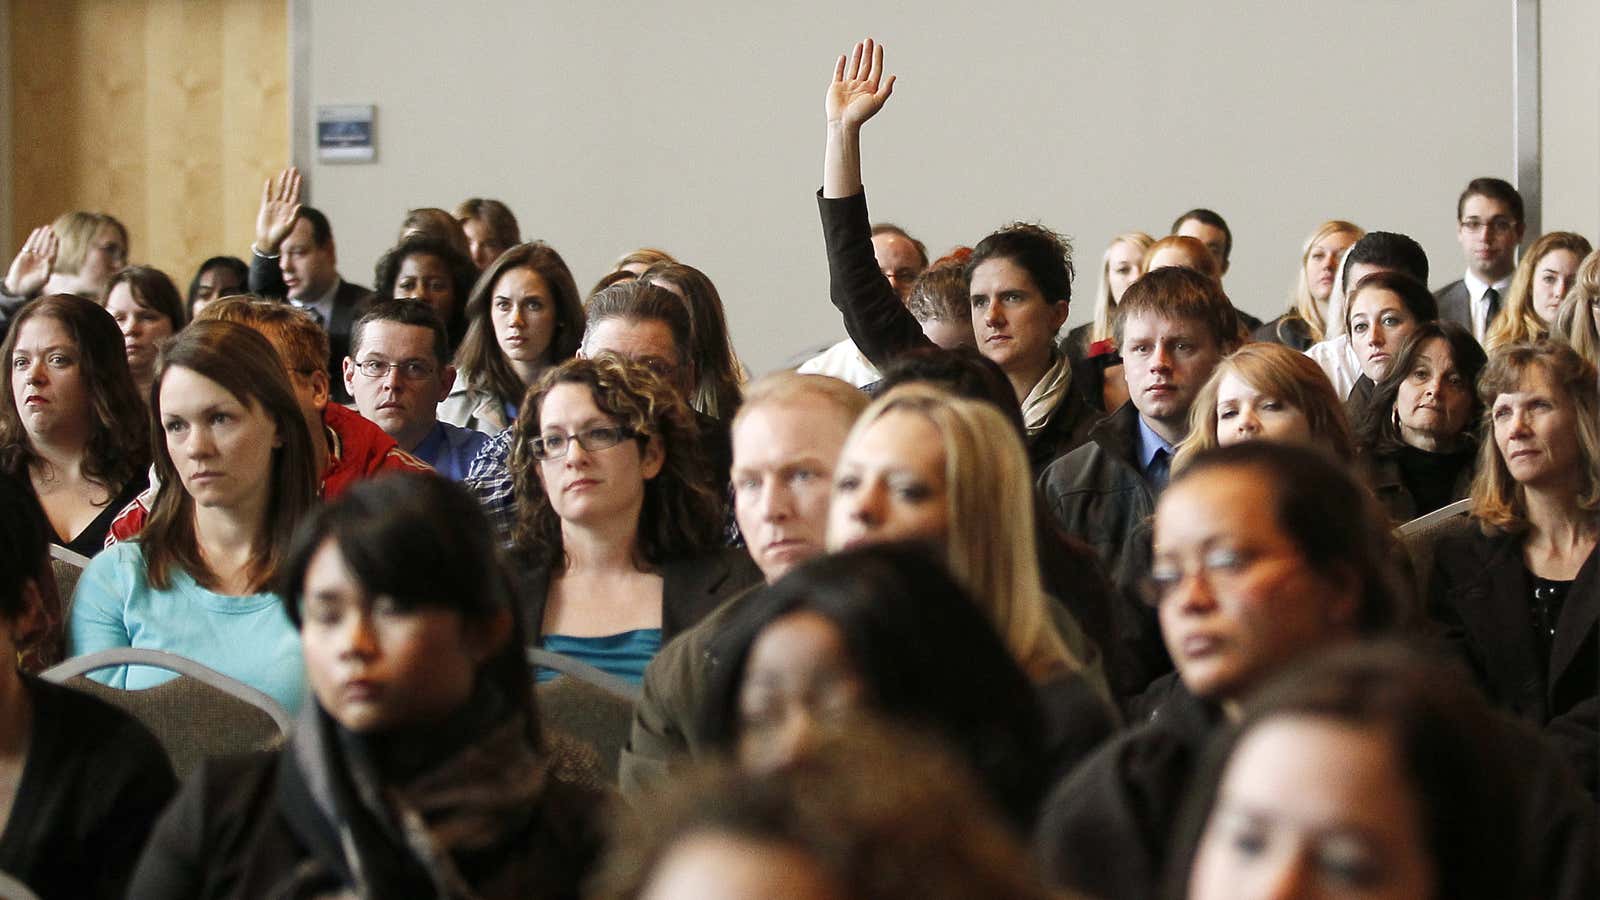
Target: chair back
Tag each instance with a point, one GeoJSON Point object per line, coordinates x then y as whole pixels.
{"type": "Point", "coordinates": [67, 566]}
{"type": "Point", "coordinates": [199, 714]}
{"type": "Point", "coordinates": [586, 704]}
{"type": "Point", "coordinates": [1421, 534]}
{"type": "Point", "coordinates": [12, 889]}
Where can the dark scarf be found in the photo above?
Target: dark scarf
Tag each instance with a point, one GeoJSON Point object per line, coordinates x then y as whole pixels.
{"type": "Point", "coordinates": [420, 813]}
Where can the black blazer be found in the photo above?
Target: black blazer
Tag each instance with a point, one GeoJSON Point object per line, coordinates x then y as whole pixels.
{"type": "Point", "coordinates": [351, 300]}
{"type": "Point", "coordinates": [1479, 592]}
{"type": "Point", "coordinates": [691, 588]}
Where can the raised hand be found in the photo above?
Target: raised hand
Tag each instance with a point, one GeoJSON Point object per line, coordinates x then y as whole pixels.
{"type": "Point", "coordinates": [280, 209]}
{"type": "Point", "coordinates": [34, 262]}
{"type": "Point", "coordinates": [858, 89]}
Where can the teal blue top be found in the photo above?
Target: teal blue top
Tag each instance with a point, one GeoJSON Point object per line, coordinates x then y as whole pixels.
{"type": "Point", "coordinates": [247, 638]}
{"type": "Point", "coordinates": [624, 655]}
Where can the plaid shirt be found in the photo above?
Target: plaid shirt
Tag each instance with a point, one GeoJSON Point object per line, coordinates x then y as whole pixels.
{"type": "Point", "coordinates": [489, 479]}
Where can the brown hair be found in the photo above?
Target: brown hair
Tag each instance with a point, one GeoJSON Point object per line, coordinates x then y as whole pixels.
{"type": "Point", "coordinates": [479, 359]}
{"type": "Point", "coordinates": [940, 294]}
{"type": "Point", "coordinates": [433, 222]}
{"type": "Point", "coordinates": [1284, 373]}
{"type": "Point", "coordinates": [241, 360]}
{"type": "Point", "coordinates": [1199, 254]}
{"type": "Point", "coordinates": [717, 371]}
{"type": "Point", "coordinates": [1499, 502]}
{"type": "Point", "coordinates": [151, 288]}
{"type": "Point", "coordinates": [300, 340]}
{"type": "Point", "coordinates": [682, 516]}
{"type": "Point", "coordinates": [497, 216]}
{"type": "Point", "coordinates": [119, 437]}
{"type": "Point", "coordinates": [1173, 292]}
{"type": "Point", "coordinates": [1518, 321]}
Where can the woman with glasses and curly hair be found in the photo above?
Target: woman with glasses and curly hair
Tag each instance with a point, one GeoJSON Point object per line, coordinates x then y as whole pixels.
{"type": "Point", "coordinates": [617, 522]}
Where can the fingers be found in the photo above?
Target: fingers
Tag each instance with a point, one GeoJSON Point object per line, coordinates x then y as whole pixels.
{"type": "Point", "coordinates": [852, 71]}
{"type": "Point", "coordinates": [887, 89]}
{"type": "Point", "coordinates": [838, 69]}
{"type": "Point", "coordinates": [36, 240]}
{"type": "Point", "coordinates": [292, 195]}
{"type": "Point", "coordinates": [52, 244]}
{"type": "Point", "coordinates": [875, 69]}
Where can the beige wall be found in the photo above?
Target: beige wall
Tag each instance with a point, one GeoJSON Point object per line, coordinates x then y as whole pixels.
{"type": "Point", "coordinates": [1569, 32]}
{"type": "Point", "coordinates": [698, 128]}
{"type": "Point", "coordinates": [162, 112]}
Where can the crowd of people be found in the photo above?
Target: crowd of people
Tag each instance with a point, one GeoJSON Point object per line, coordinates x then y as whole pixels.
{"type": "Point", "coordinates": [1174, 603]}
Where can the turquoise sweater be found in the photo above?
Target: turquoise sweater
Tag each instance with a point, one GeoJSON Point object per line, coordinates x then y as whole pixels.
{"type": "Point", "coordinates": [247, 638]}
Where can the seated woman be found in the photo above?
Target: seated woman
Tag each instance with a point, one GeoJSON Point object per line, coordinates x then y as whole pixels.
{"type": "Point", "coordinates": [1020, 277]}
{"type": "Point", "coordinates": [1578, 320]}
{"type": "Point", "coordinates": [719, 376]}
{"type": "Point", "coordinates": [433, 222]}
{"type": "Point", "coordinates": [884, 631]}
{"type": "Point", "coordinates": [80, 781]}
{"type": "Point", "coordinates": [146, 306]}
{"type": "Point", "coordinates": [1419, 434]}
{"type": "Point", "coordinates": [1306, 321]}
{"type": "Point", "coordinates": [93, 247]}
{"type": "Point", "coordinates": [418, 768]}
{"type": "Point", "coordinates": [617, 525]}
{"type": "Point", "coordinates": [1264, 552]}
{"type": "Point", "coordinates": [866, 814]}
{"type": "Point", "coordinates": [236, 473]}
{"type": "Point", "coordinates": [1090, 346]}
{"type": "Point", "coordinates": [1184, 252]}
{"type": "Point", "coordinates": [73, 425]}
{"type": "Point", "coordinates": [1543, 278]}
{"type": "Point", "coordinates": [1425, 805]}
{"type": "Point", "coordinates": [922, 465]}
{"type": "Point", "coordinates": [523, 317]}
{"type": "Point", "coordinates": [217, 277]}
{"type": "Point", "coordinates": [491, 229]}
{"type": "Point", "coordinates": [1266, 391]}
{"type": "Point", "coordinates": [1380, 311]}
{"type": "Point", "coordinates": [1516, 591]}
{"type": "Point", "coordinates": [431, 270]}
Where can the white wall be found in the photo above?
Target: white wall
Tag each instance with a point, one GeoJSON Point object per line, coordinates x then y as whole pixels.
{"type": "Point", "coordinates": [1569, 34]}
{"type": "Point", "coordinates": [698, 127]}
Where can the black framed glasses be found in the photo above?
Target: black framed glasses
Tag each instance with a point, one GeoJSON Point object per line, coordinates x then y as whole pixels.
{"type": "Point", "coordinates": [410, 370]}
{"type": "Point", "coordinates": [555, 446]}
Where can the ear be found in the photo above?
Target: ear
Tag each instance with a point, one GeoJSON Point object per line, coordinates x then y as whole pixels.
{"type": "Point", "coordinates": [1058, 314]}
{"type": "Point", "coordinates": [1344, 609]}
{"type": "Point", "coordinates": [653, 458]}
{"type": "Point", "coordinates": [447, 380]}
{"type": "Point", "coordinates": [349, 368]}
{"type": "Point", "coordinates": [333, 251]}
{"type": "Point", "coordinates": [319, 388]}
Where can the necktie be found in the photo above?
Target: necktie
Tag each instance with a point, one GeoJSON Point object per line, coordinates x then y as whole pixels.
{"type": "Point", "coordinates": [1491, 301]}
{"type": "Point", "coordinates": [1160, 468]}
{"type": "Point", "coordinates": [316, 315]}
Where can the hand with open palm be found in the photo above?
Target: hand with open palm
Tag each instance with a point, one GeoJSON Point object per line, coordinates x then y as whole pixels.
{"type": "Point", "coordinates": [280, 209]}
{"type": "Point", "coordinates": [858, 89]}
{"type": "Point", "coordinates": [33, 263]}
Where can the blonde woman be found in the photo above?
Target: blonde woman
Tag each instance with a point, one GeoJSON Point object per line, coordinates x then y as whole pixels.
{"type": "Point", "coordinates": [1578, 320]}
{"type": "Point", "coordinates": [922, 465]}
{"type": "Point", "coordinates": [1266, 391]}
{"type": "Point", "coordinates": [1120, 266]}
{"type": "Point", "coordinates": [1308, 320]}
{"type": "Point", "coordinates": [1543, 278]}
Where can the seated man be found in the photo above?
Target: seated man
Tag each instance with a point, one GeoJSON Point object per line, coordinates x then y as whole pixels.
{"type": "Point", "coordinates": [351, 448]}
{"type": "Point", "coordinates": [398, 371]}
{"type": "Point", "coordinates": [1173, 326]}
{"type": "Point", "coordinates": [786, 439]}
{"type": "Point", "coordinates": [1209, 228]}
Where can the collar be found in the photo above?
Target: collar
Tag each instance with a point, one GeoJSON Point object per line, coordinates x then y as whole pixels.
{"type": "Point", "coordinates": [428, 448]}
{"type": "Point", "coordinates": [1476, 286]}
{"type": "Point", "coordinates": [324, 303]}
{"type": "Point", "coordinates": [1149, 443]}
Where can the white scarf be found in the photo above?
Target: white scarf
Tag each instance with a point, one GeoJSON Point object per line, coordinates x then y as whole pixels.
{"type": "Point", "coordinates": [1046, 394]}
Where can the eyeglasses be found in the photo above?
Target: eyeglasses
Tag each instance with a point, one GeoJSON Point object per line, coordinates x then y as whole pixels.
{"type": "Point", "coordinates": [555, 446]}
{"type": "Point", "coordinates": [411, 369]}
{"type": "Point", "coordinates": [1223, 569]}
{"type": "Point", "coordinates": [1497, 225]}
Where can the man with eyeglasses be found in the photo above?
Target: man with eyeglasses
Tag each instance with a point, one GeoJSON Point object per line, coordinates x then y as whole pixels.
{"type": "Point", "coordinates": [398, 371]}
{"type": "Point", "coordinates": [1489, 226]}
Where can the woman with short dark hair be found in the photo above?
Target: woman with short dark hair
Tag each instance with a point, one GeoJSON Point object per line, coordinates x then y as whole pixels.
{"type": "Point", "coordinates": [146, 306]}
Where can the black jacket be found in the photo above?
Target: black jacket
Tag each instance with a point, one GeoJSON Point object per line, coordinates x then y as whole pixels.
{"type": "Point", "coordinates": [1479, 592]}
{"type": "Point", "coordinates": [690, 589]}
{"type": "Point", "coordinates": [883, 328]}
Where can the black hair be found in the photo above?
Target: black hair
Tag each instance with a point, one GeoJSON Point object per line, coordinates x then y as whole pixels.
{"type": "Point", "coordinates": [422, 540]}
{"type": "Point", "coordinates": [1046, 256]}
{"type": "Point", "coordinates": [1416, 297]}
{"type": "Point", "coordinates": [232, 263]}
{"type": "Point", "coordinates": [24, 544]}
{"type": "Point", "coordinates": [404, 312]}
{"type": "Point", "coordinates": [1207, 217]}
{"type": "Point", "coordinates": [1376, 431]}
{"type": "Point", "coordinates": [1390, 251]}
{"type": "Point", "coordinates": [929, 657]}
{"type": "Point", "coordinates": [1493, 188]}
{"type": "Point", "coordinates": [962, 371]}
{"type": "Point", "coordinates": [321, 231]}
{"type": "Point", "coordinates": [1448, 747]}
{"type": "Point", "coordinates": [1330, 517]}
{"type": "Point", "coordinates": [463, 274]}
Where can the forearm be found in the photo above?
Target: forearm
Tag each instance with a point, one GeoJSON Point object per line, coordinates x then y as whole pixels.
{"type": "Point", "coordinates": [875, 318]}
{"type": "Point", "coordinates": [841, 161]}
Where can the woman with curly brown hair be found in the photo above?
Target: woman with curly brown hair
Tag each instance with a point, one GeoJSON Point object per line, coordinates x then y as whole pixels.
{"type": "Point", "coordinates": [616, 521]}
{"type": "Point", "coordinates": [73, 425]}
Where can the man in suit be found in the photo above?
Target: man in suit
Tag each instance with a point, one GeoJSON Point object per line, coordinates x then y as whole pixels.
{"type": "Point", "coordinates": [1489, 226]}
{"type": "Point", "coordinates": [294, 257]}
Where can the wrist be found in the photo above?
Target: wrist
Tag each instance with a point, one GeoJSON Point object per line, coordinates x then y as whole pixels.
{"type": "Point", "coordinates": [264, 254]}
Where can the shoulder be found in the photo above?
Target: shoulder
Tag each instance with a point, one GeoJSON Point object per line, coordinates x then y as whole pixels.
{"type": "Point", "coordinates": [1460, 546]}
{"type": "Point", "coordinates": [89, 725]}
{"type": "Point", "coordinates": [1454, 289]}
{"type": "Point", "coordinates": [117, 568]}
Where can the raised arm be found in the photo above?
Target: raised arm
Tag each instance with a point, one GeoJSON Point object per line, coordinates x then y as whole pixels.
{"type": "Point", "coordinates": [280, 209]}
{"type": "Point", "coordinates": [874, 316]}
